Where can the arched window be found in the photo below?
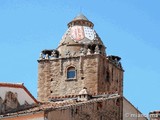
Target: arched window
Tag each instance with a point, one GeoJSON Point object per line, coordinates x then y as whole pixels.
{"type": "Point", "coordinates": [71, 73]}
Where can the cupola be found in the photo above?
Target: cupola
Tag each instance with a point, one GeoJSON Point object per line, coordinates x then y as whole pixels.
{"type": "Point", "coordinates": [80, 19]}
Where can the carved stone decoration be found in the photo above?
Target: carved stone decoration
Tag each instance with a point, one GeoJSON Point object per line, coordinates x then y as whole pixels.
{"type": "Point", "coordinates": [97, 51]}
{"type": "Point", "coordinates": [83, 51]}
{"type": "Point", "coordinates": [53, 55]}
{"type": "Point", "coordinates": [68, 53]}
{"type": "Point", "coordinates": [47, 57]}
{"type": "Point", "coordinates": [89, 51]}
{"type": "Point", "coordinates": [10, 102]}
{"type": "Point", "coordinates": [41, 56]}
{"type": "Point", "coordinates": [83, 95]}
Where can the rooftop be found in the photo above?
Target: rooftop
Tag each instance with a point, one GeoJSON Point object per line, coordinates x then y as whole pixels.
{"type": "Point", "coordinates": [66, 104]}
{"type": "Point", "coordinates": [80, 17]}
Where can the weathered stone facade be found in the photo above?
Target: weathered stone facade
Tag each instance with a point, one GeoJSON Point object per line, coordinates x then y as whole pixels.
{"type": "Point", "coordinates": [94, 70]}
{"type": "Point", "coordinates": [102, 109]}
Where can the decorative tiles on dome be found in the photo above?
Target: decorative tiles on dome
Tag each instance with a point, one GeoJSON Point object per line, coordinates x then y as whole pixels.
{"type": "Point", "coordinates": [79, 34]}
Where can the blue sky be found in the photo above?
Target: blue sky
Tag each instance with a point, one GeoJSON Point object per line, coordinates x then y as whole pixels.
{"type": "Point", "coordinates": [128, 28]}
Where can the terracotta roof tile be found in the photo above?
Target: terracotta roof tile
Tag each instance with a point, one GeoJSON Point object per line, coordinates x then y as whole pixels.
{"type": "Point", "coordinates": [58, 105]}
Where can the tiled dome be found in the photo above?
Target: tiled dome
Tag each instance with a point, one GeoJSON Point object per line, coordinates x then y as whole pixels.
{"type": "Point", "coordinates": [80, 33]}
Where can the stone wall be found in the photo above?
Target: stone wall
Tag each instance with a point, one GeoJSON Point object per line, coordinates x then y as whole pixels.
{"type": "Point", "coordinates": [90, 73]}
{"type": "Point", "coordinates": [110, 77]}
{"type": "Point", "coordinates": [93, 110]}
{"type": "Point", "coordinates": [52, 76]}
{"type": "Point", "coordinates": [44, 79]}
{"type": "Point", "coordinates": [95, 72]}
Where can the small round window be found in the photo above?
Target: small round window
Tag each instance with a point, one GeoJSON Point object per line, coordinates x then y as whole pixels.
{"type": "Point", "coordinates": [71, 73]}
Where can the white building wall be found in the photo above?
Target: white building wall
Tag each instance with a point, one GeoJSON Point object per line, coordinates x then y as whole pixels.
{"type": "Point", "coordinates": [22, 96]}
{"type": "Point", "coordinates": [130, 112]}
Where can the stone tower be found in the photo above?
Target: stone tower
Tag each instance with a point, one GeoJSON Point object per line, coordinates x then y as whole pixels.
{"type": "Point", "coordinates": [80, 61]}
